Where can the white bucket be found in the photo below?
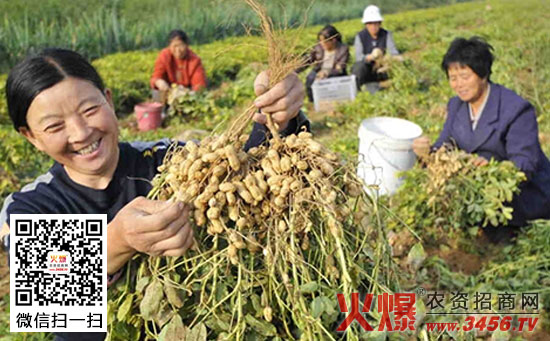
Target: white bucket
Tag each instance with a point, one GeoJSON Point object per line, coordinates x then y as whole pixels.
{"type": "Point", "coordinates": [385, 148]}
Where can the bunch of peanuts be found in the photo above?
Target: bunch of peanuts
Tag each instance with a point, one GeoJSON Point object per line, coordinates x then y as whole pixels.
{"type": "Point", "coordinates": [243, 193]}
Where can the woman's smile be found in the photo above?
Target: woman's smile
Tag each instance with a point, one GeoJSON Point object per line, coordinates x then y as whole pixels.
{"type": "Point", "coordinates": [468, 86]}
{"type": "Point", "coordinates": [80, 131]}
{"type": "Point", "coordinates": [90, 152]}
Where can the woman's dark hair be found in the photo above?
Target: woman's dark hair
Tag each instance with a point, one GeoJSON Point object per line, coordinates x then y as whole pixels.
{"type": "Point", "coordinates": [180, 34]}
{"type": "Point", "coordinates": [330, 32]}
{"type": "Point", "coordinates": [474, 53]}
{"type": "Point", "coordinates": [37, 73]}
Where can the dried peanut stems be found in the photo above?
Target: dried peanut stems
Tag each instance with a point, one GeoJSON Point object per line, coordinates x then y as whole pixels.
{"type": "Point", "coordinates": [277, 228]}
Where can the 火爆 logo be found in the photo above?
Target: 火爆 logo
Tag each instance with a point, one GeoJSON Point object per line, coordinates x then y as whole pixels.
{"type": "Point", "coordinates": [59, 262]}
{"type": "Point", "coordinates": [400, 305]}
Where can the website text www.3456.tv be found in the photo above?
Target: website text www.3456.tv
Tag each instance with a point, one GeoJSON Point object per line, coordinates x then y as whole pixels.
{"type": "Point", "coordinates": [485, 323]}
{"type": "Point", "coordinates": [398, 311]}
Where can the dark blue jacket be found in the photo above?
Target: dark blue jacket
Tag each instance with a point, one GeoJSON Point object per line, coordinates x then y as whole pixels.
{"type": "Point", "coordinates": [507, 130]}
{"type": "Point", "coordinates": [57, 193]}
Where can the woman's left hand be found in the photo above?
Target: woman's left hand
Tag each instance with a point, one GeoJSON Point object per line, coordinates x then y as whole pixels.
{"type": "Point", "coordinates": [480, 161]}
{"type": "Point", "coordinates": [283, 101]}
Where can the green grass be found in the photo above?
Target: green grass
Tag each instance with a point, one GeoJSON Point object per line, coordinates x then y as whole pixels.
{"type": "Point", "coordinates": [99, 27]}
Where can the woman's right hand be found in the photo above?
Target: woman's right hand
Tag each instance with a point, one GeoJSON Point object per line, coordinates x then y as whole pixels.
{"type": "Point", "coordinates": [154, 227]}
{"type": "Point", "coordinates": [321, 75]}
{"type": "Point", "coordinates": [421, 146]}
{"type": "Point", "coordinates": [162, 85]}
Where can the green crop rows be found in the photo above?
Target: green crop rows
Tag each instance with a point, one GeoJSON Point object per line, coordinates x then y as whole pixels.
{"type": "Point", "coordinates": [98, 27]}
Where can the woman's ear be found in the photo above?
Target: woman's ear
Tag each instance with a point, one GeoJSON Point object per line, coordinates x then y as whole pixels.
{"type": "Point", "coordinates": [109, 97]}
{"type": "Point", "coordinates": [485, 81]}
{"type": "Point", "coordinates": [27, 133]}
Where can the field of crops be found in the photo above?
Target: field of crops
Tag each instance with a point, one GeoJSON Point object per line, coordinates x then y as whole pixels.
{"type": "Point", "coordinates": [99, 27]}
{"type": "Point", "coordinates": [425, 253]}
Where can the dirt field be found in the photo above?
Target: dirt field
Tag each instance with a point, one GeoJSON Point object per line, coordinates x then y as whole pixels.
{"type": "Point", "coordinates": [4, 274]}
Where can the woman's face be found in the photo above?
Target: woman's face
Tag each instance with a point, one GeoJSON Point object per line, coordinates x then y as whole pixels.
{"type": "Point", "coordinates": [373, 28]}
{"type": "Point", "coordinates": [75, 124]}
{"type": "Point", "coordinates": [178, 48]}
{"type": "Point", "coordinates": [327, 44]}
{"type": "Point", "coordinates": [468, 86]}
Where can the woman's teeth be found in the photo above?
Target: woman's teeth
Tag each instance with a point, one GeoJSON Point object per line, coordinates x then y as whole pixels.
{"type": "Point", "coordinates": [90, 149]}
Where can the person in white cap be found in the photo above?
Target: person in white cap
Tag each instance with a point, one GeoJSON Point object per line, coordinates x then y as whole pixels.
{"type": "Point", "coordinates": [370, 44]}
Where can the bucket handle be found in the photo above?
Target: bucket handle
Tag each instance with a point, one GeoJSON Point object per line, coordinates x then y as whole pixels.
{"type": "Point", "coordinates": [365, 160]}
{"type": "Point", "coordinates": [372, 144]}
{"type": "Point", "coordinates": [377, 181]}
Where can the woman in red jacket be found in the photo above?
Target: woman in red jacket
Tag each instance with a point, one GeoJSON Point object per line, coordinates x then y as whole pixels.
{"type": "Point", "coordinates": [178, 64]}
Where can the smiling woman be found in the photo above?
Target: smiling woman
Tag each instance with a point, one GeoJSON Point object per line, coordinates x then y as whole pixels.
{"type": "Point", "coordinates": [493, 122]}
{"type": "Point", "coordinates": [57, 101]}
{"type": "Point", "coordinates": [75, 123]}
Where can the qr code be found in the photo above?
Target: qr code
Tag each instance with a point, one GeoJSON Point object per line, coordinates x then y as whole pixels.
{"type": "Point", "coordinates": [58, 261]}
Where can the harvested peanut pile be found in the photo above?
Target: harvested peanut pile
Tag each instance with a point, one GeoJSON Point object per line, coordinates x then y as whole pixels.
{"type": "Point", "coordinates": [227, 184]}
{"type": "Point", "coordinates": [280, 230]}
{"type": "Point", "coordinates": [447, 194]}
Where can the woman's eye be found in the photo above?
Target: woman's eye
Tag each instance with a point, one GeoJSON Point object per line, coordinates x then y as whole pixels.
{"type": "Point", "coordinates": [91, 110]}
{"type": "Point", "coordinates": [52, 128]}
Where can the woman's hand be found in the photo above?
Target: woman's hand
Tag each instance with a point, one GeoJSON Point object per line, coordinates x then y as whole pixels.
{"type": "Point", "coordinates": [153, 227]}
{"type": "Point", "coordinates": [421, 146]}
{"type": "Point", "coordinates": [480, 161]}
{"type": "Point", "coordinates": [283, 101]}
{"type": "Point", "coordinates": [162, 85]}
{"type": "Point", "coordinates": [321, 75]}
{"type": "Point", "coordinates": [4, 230]}
{"type": "Point", "coordinates": [377, 53]}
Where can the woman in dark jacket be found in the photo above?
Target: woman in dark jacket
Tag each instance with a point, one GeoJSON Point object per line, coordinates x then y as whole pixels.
{"type": "Point", "coordinates": [329, 57]}
{"type": "Point", "coordinates": [494, 122]}
{"type": "Point", "coordinates": [371, 44]}
{"type": "Point", "coordinates": [58, 102]}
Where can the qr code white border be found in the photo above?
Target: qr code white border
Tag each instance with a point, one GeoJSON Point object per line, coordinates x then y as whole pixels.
{"type": "Point", "coordinates": [74, 313]}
